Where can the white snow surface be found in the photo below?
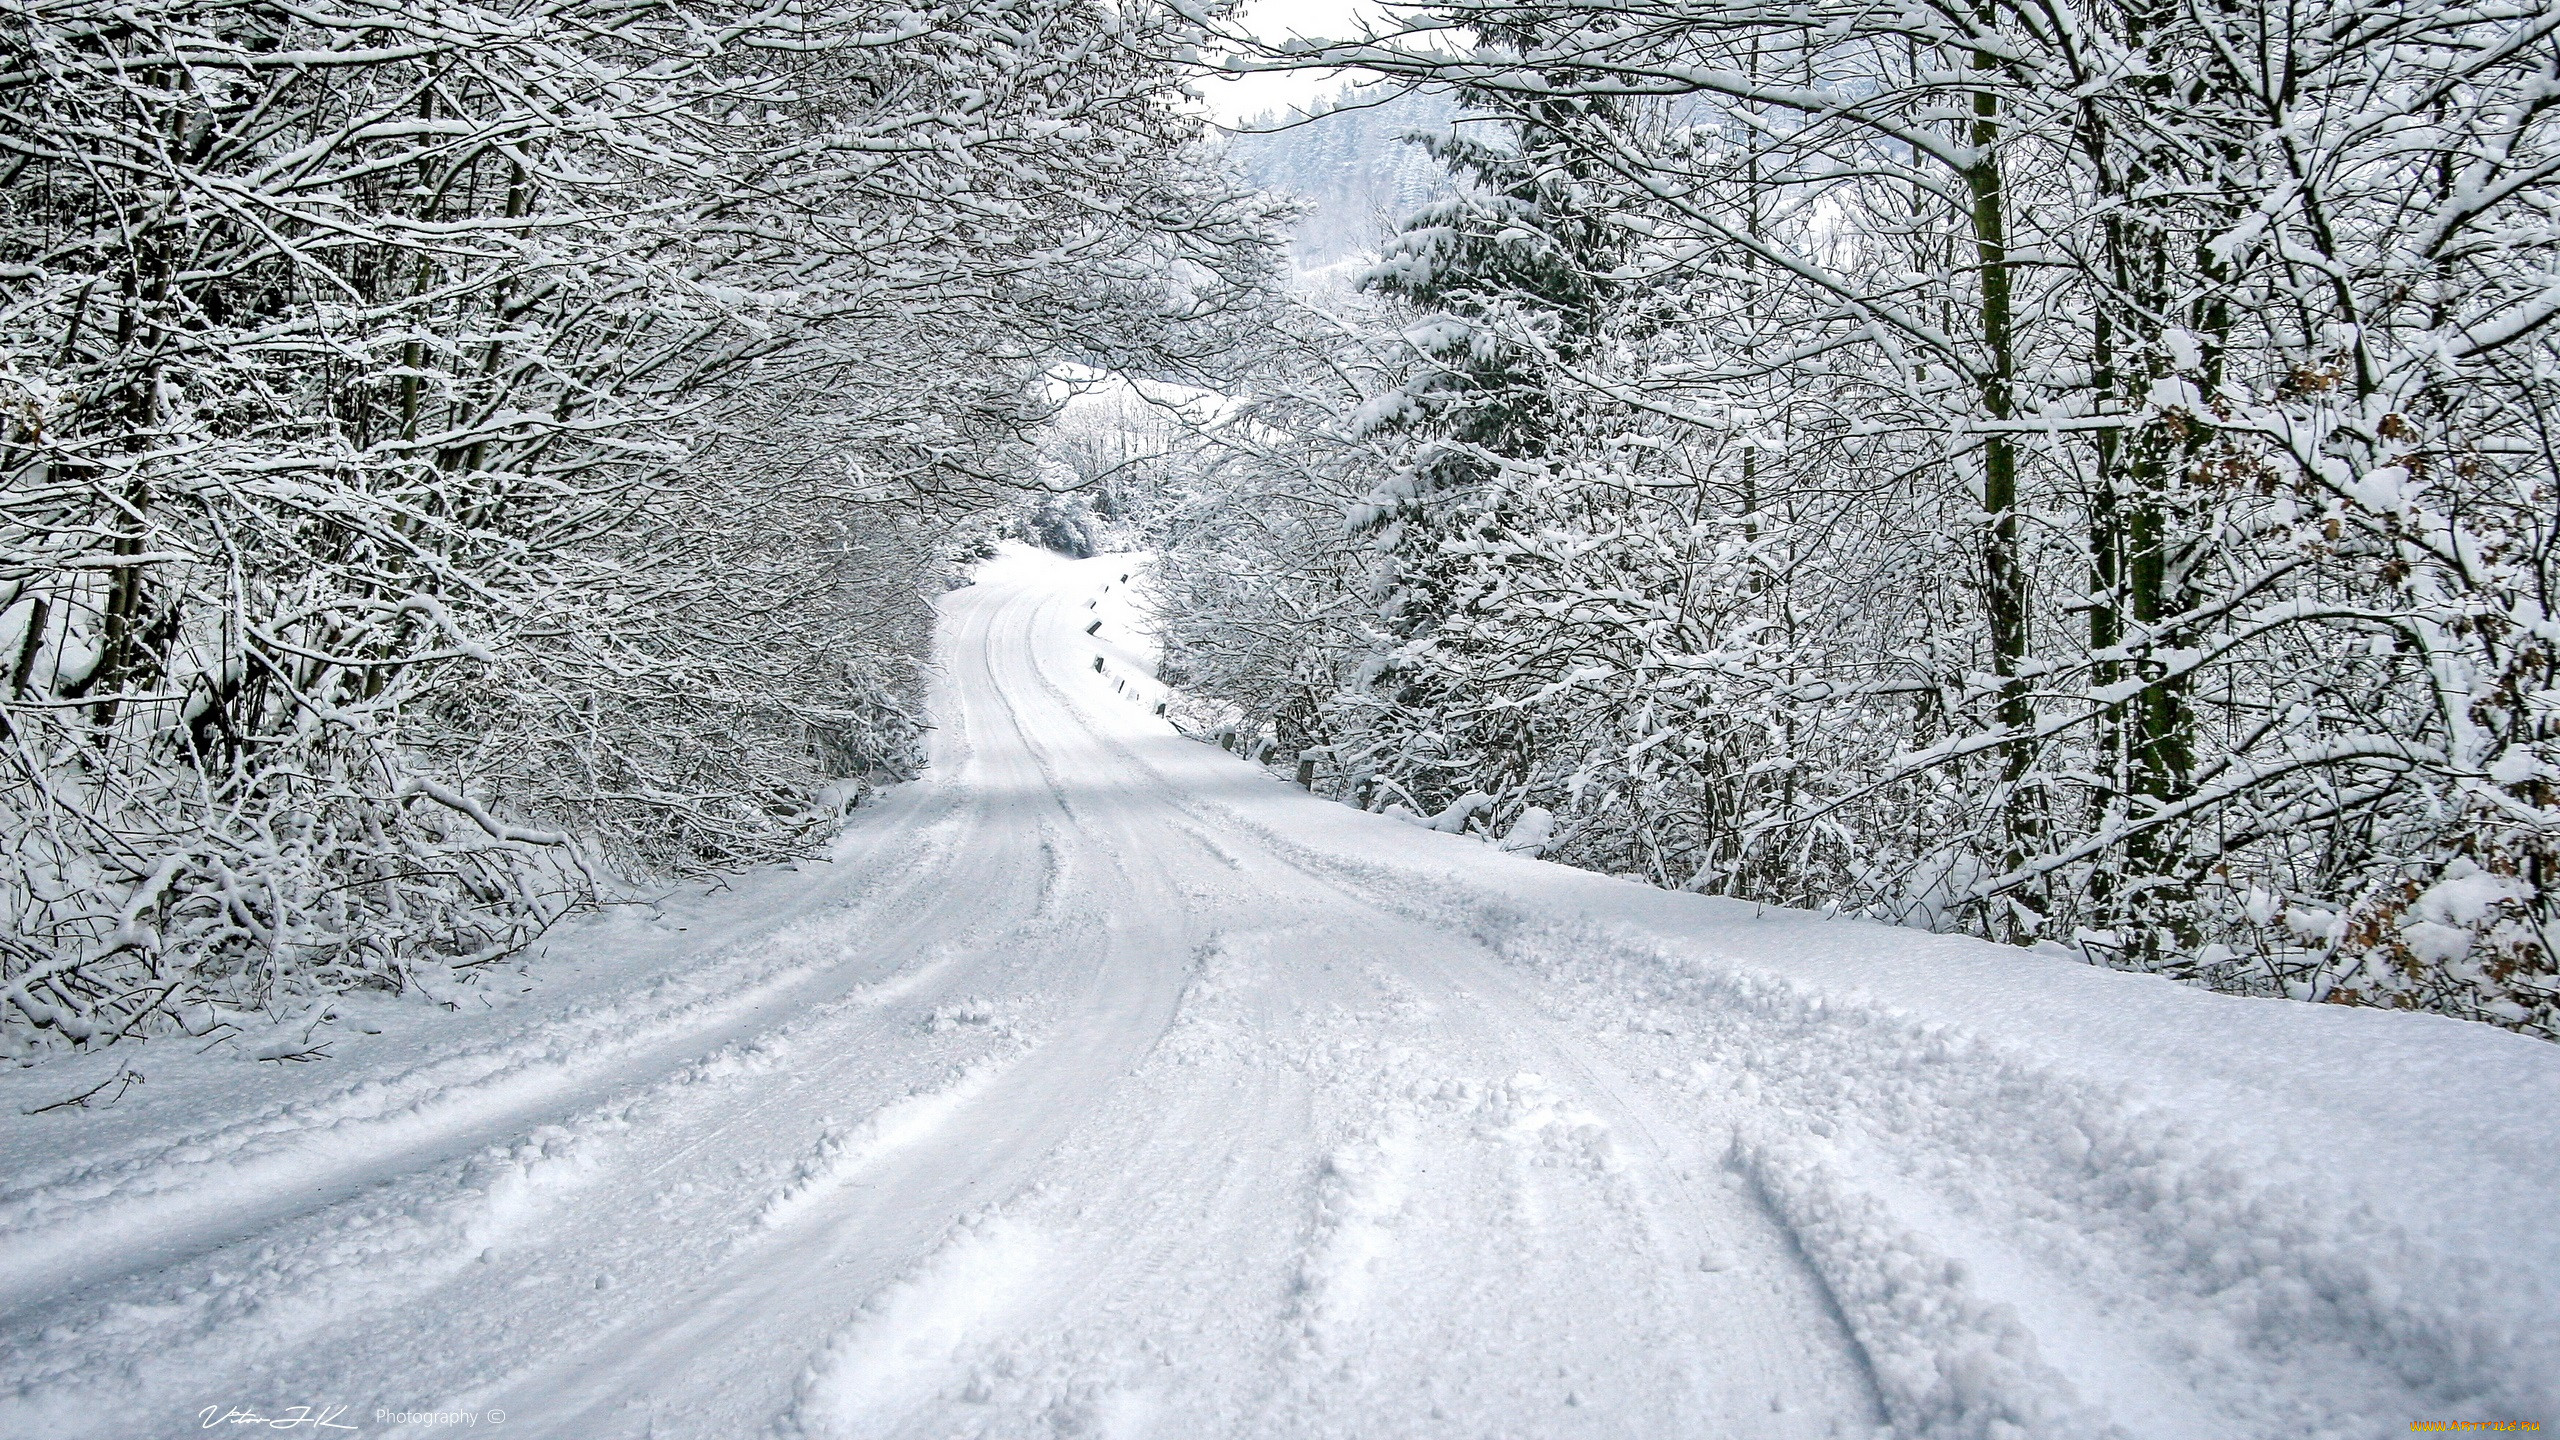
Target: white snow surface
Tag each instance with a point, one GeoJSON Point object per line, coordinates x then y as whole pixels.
{"type": "Point", "coordinates": [1102, 1083]}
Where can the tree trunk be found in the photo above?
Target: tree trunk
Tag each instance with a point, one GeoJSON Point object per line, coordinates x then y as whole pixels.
{"type": "Point", "coordinates": [2005, 597]}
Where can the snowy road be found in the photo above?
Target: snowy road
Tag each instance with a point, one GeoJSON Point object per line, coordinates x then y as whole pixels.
{"type": "Point", "coordinates": [1103, 1085]}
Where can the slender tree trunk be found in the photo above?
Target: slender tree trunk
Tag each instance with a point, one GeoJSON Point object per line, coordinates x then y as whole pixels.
{"type": "Point", "coordinates": [2005, 598]}
{"type": "Point", "coordinates": [2106, 605]}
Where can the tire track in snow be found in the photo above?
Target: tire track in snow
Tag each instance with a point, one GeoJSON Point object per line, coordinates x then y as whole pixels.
{"type": "Point", "coordinates": [840, 1155]}
{"type": "Point", "coordinates": [2086, 1195]}
{"type": "Point", "coordinates": [184, 1196]}
{"type": "Point", "coordinates": [913, 1341]}
{"type": "Point", "coordinates": [1950, 1364]}
{"type": "Point", "coordinates": [2303, 1288]}
{"type": "Point", "coordinates": [1359, 1194]}
{"type": "Point", "coordinates": [1668, 1163]}
{"type": "Point", "coordinates": [1110, 977]}
{"type": "Point", "coordinates": [400, 1243]}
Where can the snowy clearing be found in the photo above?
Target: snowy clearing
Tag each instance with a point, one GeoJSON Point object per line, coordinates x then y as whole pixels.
{"type": "Point", "coordinates": [1101, 1083]}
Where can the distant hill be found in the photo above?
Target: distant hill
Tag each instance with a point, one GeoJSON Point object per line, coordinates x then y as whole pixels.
{"type": "Point", "coordinates": [1354, 166]}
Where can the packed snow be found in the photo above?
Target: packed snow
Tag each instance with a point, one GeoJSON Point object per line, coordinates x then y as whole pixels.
{"type": "Point", "coordinates": [1103, 1082]}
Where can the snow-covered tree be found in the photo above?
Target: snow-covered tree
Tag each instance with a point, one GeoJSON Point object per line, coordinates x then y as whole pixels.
{"type": "Point", "coordinates": [2079, 475]}
{"type": "Point", "coordinates": [450, 450]}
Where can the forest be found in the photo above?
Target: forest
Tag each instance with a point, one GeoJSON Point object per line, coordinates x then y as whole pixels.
{"type": "Point", "coordinates": [2079, 474]}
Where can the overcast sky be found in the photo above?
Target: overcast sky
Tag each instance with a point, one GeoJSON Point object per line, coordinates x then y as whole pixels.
{"type": "Point", "coordinates": [1252, 95]}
